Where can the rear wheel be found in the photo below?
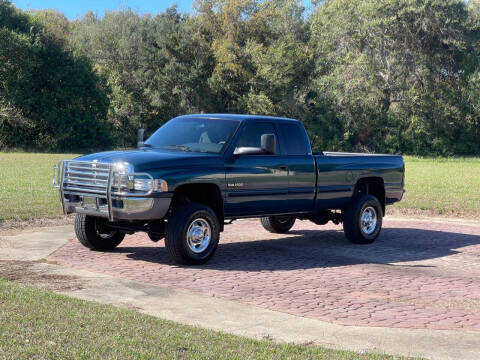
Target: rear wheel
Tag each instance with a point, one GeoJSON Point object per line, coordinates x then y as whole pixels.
{"type": "Point", "coordinates": [192, 234]}
{"type": "Point", "coordinates": [278, 224]}
{"type": "Point", "coordinates": [362, 220]}
{"type": "Point", "coordinates": [94, 233]}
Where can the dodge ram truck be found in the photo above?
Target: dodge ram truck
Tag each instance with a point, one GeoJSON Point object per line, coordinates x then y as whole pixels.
{"type": "Point", "coordinates": [197, 173]}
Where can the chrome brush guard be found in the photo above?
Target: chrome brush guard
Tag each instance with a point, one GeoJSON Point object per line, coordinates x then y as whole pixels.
{"type": "Point", "coordinates": [95, 185]}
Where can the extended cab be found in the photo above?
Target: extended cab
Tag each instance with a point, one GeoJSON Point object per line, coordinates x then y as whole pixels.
{"type": "Point", "coordinates": [198, 171]}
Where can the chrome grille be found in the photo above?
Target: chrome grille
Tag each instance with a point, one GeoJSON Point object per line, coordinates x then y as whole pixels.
{"type": "Point", "coordinates": [86, 177]}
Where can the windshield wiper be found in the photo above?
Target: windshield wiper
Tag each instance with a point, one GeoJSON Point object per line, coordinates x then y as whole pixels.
{"type": "Point", "coordinates": [147, 145]}
{"type": "Point", "coordinates": [180, 147]}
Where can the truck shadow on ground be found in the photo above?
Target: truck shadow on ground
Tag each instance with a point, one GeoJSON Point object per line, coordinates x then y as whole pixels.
{"type": "Point", "coordinates": [307, 249]}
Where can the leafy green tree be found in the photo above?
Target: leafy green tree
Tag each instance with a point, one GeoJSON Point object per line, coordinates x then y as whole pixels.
{"type": "Point", "coordinates": [369, 75]}
{"type": "Point", "coordinates": [56, 25]}
{"type": "Point", "coordinates": [384, 66]}
{"type": "Point", "coordinates": [47, 96]}
{"type": "Point", "coordinates": [156, 67]}
{"type": "Point", "coordinates": [262, 62]}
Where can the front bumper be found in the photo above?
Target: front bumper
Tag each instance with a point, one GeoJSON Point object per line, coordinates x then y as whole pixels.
{"type": "Point", "coordinates": [123, 208]}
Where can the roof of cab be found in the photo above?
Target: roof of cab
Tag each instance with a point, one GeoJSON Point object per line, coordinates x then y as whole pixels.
{"type": "Point", "coordinates": [239, 117]}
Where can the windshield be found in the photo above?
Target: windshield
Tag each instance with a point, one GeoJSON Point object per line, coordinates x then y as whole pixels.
{"type": "Point", "coordinates": [194, 134]}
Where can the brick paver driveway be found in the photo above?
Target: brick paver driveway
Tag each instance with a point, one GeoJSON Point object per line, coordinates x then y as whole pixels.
{"type": "Point", "coordinates": [418, 274]}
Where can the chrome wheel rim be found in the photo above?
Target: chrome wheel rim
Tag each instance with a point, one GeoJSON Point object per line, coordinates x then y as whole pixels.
{"type": "Point", "coordinates": [199, 234]}
{"type": "Point", "coordinates": [368, 220]}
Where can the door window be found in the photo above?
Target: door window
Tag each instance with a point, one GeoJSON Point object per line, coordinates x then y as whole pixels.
{"type": "Point", "coordinates": [252, 133]}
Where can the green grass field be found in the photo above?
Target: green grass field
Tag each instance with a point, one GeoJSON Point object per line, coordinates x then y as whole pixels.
{"type": "Point", "coordinates": [36, 324]}
{"type": "Point", "coordinates": [448, 187]}
{"type": "Point", "coordinates": [26, 186]}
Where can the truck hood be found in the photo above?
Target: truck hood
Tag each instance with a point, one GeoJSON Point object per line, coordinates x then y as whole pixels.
{"type": "Point", "coordinates": [149, 159]}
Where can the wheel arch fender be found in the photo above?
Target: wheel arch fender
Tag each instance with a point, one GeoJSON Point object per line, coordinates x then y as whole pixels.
{"type": "Point", "coordinates": [371, 185]}
{"type": "Point", "coordinates": [206, 193]}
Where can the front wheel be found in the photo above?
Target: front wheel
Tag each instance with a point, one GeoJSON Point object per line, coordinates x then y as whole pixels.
{"type": "Point", "coordinates": [362, 220]}
{"type": "Point", "coordinates": [93, 233]}
{"type": "Point", "coordinates": [192, 234]}
{"type": "Point", "coordinates": [278, 224]}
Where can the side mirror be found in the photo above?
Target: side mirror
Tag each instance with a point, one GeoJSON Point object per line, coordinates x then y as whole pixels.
{"type": "Point", "coordinates": [140, 137]}
{"type": "Point", "coordinates": [268, 144]}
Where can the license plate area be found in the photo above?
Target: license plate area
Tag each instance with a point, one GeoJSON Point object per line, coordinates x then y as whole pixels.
{"type": "Point", "coordinates": [90, 202]}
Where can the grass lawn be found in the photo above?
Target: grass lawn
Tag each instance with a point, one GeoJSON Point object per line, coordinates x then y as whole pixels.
{"type": "Point", "coordinates": [434, 186]}
{"type": "Point", "coordinates": [36, 324]}
{"type": "Point", "coordinates": [26, 186]}
{"type": "Point", "coordinates": [442, 186]}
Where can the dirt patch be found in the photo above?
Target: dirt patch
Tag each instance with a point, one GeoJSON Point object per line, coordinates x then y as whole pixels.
{"type": "Point", "coordinates": [130, 306]}
{"type": "Point", "coordinates": [418, 213]}
{"type": "Point", "coordinates": [23, 272]}
{"type": "Point", "coordinates": [13, 227]}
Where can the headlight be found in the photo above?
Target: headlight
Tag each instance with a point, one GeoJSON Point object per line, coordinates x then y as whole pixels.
{"type": "Point", "coordinates": [120, 176]}
{"type": "Point", "coordinates": [145, 184]}
{"type": "Point", "coordinates": [142, 184]}
{"type": "Point", "coordinates": [126, 180]}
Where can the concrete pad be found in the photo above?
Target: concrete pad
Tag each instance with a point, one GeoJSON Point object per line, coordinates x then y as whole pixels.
{"type": "Point", "coordinates": [28, 246]}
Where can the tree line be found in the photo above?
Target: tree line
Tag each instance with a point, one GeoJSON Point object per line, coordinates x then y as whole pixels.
{"type": "Point", "coordinates": [400, 76]}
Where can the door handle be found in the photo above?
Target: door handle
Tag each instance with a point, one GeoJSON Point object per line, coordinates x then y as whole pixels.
{"type": "Point", "coordinates": [283, 167]}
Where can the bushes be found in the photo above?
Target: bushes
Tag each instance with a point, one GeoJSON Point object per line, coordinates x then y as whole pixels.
{"type": "Point", "coordinates": [50, 100]}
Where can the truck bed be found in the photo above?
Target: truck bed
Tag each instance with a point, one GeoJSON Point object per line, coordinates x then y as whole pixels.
{"type": "Point", "coordinates": [338, 172]}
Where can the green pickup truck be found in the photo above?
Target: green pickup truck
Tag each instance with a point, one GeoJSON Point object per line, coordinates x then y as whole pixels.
{"type": "Point", "coordinates": [197, 173]}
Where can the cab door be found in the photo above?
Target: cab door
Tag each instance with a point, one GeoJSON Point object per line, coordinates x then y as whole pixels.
{"type": "Point", "coordinates": [256, 184]}
{"type": "Point", "coordinates": [301, 166]}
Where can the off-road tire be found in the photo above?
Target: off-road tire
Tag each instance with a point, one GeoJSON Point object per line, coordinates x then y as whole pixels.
{"type": "Point", "coordinates": [278, 224]}
{"type": "Point", "coordinates": [176, 241]}
{"type": "Point", "coordinates": [352, 219]}
{"type": "Point", "coordinates": [86, 229]}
